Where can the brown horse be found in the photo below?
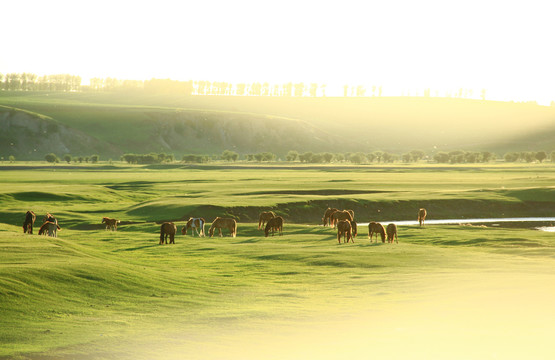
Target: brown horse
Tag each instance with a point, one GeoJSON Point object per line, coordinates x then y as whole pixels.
{"type": "Point", "coordinates": [327, 216]}
{"type": "Point", "coordinates": [29, 221]}
{"type": "Point", "coordinates": [167, 229]}
{"type": "Point", "coordinates": [421, 216]}
{"type": "Point", "coordinates": [220, 223]}
{"type": "Point", "coordinates": [344, 228]}
{"type": "Point", "coordinates": [376, 228]}
{"type": "Point", "coordinates": [341, 215]}
{"type": "Point", "coordinates": [274, 224]}
{"type": "Point", "coordinates": [49, 228]}
{"type": "Point", "coordinates": [354, 229]}
{"type": "Point", "coordinates": [391, 233]}
{"type": "Point", "coordinates": [264, 217]}
{"type": "Point", "coordinates": [111, 224]}
{"type": "Point", "coordinates": [50, 218]}
{"type": "Point", "coordinates": [196, 224]}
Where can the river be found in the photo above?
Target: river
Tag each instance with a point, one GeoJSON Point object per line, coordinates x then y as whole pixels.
{"type": "Point", "coordinates": [492, 221]}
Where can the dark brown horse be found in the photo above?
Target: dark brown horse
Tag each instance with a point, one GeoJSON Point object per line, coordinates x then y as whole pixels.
{"type": "Point", "coordinates": [344, 228]}
{"type": "Point", "coordinates": [274, 224]}
{"type": "Point", "coordinates": [421, 216]}
{"type": "Point", "coordinates": [327, 216]}
{"type": "Point", "coordinates": [391, 233]}
{"type": "Point", "coordinates": [376, 228]}
{"type": "Point", "coordinates": [264, 217]}
{"type": "Point", "coordinates": [220, 223]}
{"type": "Point", "coordinates": [168, 229]}
{"type": "Point", "coordinates": [196, 224]}
{"type": "Point", "coordinates": [29, 221]}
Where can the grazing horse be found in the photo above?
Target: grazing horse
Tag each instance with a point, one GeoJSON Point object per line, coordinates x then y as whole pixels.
{"type": "Point", "coordinates": [29, 221]}
{"type": "Point", "coordinates": [111, 224]}
{"type": "Point", "coordinates": [354, 229]}
{"type": "Point", "coordinates": [264, 217]}
{"type": "Point", "coordinates": [344, 228]}
{"type": "Point", "coordinates": [327, 216]}
{"type": "Point", "coordinates": [376, 228]}
{"type": "Point", "coordinates": [391, 233]}
{"type": "Point", "coordinates": [274, 224]}
{"type": "Point", "coordinates": [49, 217]}
{"type": "Point", "coordinates": [341, 215]}
{"type": "Point", "coordinates": [220, 223]}
{"type": "Point", "coordinates": [49, 228]}
{"type": "Point", "coordinates": [421, 216]}
{"type": "Point", "coordinates": [167, 229]}
{"type": "Point", "coordinates": [195, 224]}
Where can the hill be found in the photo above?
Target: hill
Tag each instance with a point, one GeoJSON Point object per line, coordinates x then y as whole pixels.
{"type": "Point", "coordinates": [121, 122]}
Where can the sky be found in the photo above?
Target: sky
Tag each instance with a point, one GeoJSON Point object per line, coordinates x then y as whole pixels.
{"type": "Point", "coordinates": [505, 47]}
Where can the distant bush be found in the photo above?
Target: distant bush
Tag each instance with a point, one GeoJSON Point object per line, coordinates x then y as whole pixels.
{"type": "Point", "coordinates": [51, 158]}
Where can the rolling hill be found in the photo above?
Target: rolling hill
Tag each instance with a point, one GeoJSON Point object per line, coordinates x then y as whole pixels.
{"type": "Point", "coordinates": [110, 125]}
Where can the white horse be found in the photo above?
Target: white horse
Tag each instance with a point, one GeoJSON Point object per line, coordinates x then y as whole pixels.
{"type": "Point", "coordinates": [197, 224]}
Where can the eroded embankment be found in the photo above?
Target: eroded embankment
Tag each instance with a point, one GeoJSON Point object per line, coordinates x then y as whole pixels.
{"type": "Point", "coordinates": [311, 211]}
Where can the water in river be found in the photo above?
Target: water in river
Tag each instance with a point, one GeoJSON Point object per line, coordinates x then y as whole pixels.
{"type": "Point", "coordinates": [492, 221]}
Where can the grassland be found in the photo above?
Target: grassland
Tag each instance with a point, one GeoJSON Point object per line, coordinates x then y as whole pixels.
{"type": "Point", "coordinates": [454, 292]}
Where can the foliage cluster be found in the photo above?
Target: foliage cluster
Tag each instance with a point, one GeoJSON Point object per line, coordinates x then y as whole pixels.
{"type": "Point", "coordinates": [151, 158]}
{"type": "Point", "coordinates": [528, 156]}
{"type": "Point", "coordinates": [33, 82]}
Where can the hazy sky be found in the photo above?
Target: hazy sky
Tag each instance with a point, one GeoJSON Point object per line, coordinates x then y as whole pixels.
{"type": "Point", "coordinates": [506, 47]}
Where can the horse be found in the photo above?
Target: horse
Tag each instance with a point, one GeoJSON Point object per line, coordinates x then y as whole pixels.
{"type": "Point", "coordinates": [220, 223]}
{"type": "Point", "coordinates": [354, 229]}
{"type": "Point", "coordinates": [327, 216]}
{"type": "Point", "coordinates": [421, 216]}
{"type": "Point", "coordinates": [49, 228]}
{"type": "Point", "coordinates": [344, 228]}
{"type": "Point", "coordinates": [29, 221]}
{"type": "Point", "coordinates": [50, 218]}
{"type": "Point", "coordinates": [341, 215]}
{"type": "Point", "coordinates": [195, 224]}
{"type": "Point", "coordinates": [110, 223]}
{"type": "Point", "coordinates": [167, 229]}
{"type": "Point", "coordinates": [376, 228]}
{"type": "Point", "coordinates": [391, 233]}
{"type": "Point", "coordinates": [274, 224]}
{"type": "Point", "coordinates": [264, 217]}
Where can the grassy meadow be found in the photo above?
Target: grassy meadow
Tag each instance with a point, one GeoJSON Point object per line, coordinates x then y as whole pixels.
{"type": "Point", "coordinates": [443, 292]}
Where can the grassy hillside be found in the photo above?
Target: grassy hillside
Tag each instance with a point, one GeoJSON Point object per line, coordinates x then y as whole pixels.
{"type": "Point", "coordinates": [95, 294]}
{"type": "Point", "coordinates": [209, 124]}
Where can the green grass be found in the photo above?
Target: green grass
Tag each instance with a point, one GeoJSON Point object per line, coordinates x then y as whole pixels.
{"type": "Point", "coordinates": [442, 292]}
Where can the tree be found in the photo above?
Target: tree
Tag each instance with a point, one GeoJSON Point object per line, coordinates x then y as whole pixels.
{"type": "Point", "coordinates": [541, 156]}
{"type": "Point", "coordinates": [441, 157]}
{"type": "Point", "coordinates": [511, 156]}
{"type": "Point", "coordinates": [67, 158]}
{"type": "Point", "coordinates": [357, 158]}
{"type": "Point", "coordinates": [94, 158]}
{"type": "Point", "coordinates": [229, 155]}
{"type": "Point", "coordinates": [417, 155]}
{"type": "Point", "coordinates": [51, 158]}
{"type": "Point", "coordinates": [306, 157]}
{"type": "Point", "coordinates": [378, 155]}
{"type": "Point", "coordinates": [11, 158]}
{"type": "Point", "coordinates": [292, 155]}
{"type": "Point", "coordinates": [328, 157]}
